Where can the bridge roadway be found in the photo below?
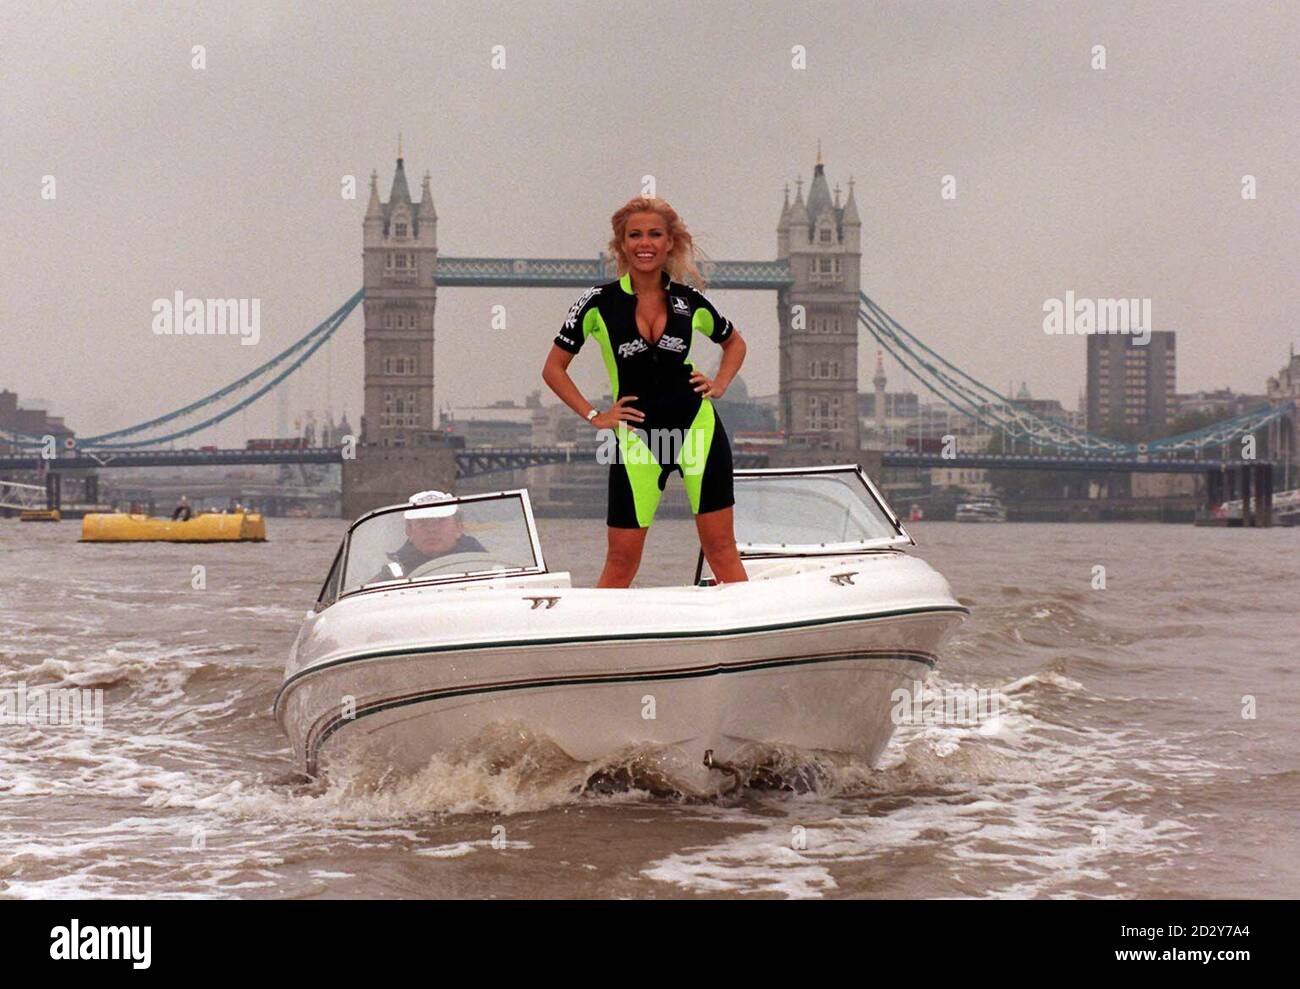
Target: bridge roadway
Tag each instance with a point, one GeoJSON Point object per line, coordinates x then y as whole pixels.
{"type": "Point", "coordinates": [475, 272]}
{"type": "Point", "coordinates": [102, 459]}
{"type": "Point", "coordinates": [477, 461]}
{"type": "Point", "coordinates": [1055, 461]}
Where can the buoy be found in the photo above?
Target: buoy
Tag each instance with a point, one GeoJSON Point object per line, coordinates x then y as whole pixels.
{"type": "Point", "coordinates": [209, 527]}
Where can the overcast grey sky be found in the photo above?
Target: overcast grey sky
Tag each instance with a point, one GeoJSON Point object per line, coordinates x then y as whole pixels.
{"type": "Point", "coordinates": [225, 182]}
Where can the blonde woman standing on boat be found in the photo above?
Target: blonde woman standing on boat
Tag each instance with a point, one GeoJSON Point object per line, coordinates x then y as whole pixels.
{"type": "Point", "coordinates": [644, 323]}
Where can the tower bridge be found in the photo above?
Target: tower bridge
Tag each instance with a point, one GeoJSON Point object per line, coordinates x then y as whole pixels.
{"type": "Point", "coordinates": [822, 312]}
{"type": "Point", "coordinates": [815, 275]}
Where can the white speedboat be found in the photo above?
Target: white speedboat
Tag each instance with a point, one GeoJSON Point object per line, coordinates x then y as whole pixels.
{"type": "Point", "coordinates": [407, 656]}
{"type": "Point", "coordinates": [981, 509]}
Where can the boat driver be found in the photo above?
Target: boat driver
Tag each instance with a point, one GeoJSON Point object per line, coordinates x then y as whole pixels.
{"type": "Point", "coordinates": [432, 530]}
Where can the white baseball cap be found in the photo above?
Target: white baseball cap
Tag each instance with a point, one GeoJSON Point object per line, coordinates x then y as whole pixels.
{"type": "Point", "coordinates": [431, 499]}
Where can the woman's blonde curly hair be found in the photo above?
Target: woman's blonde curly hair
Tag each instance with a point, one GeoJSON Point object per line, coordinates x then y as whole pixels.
{"type": "Point", "coordinates": [681, 264]}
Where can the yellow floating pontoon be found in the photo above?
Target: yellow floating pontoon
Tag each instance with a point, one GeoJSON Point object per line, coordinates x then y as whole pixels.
{"type": "Point", "coordinates": [39, 515]}
{"type": "Point", "coordinates": [209, 527]}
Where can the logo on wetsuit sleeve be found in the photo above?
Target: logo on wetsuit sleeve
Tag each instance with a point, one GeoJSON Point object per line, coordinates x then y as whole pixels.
{"type": "Point", "coordinates": [631, 347]}
{"type": "Point", "coordinates": [571, 320]}
{"type": "Point", "coordinates": [681, 306]}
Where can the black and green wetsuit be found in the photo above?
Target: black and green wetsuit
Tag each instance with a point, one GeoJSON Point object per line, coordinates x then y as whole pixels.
{"type": "Point", "coordinates": [681, 431]}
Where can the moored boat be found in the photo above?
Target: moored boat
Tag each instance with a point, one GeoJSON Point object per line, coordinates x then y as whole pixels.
{"type": "Point", "coordinates": [984, 508]}
{"type": "Point", "coordinates": [1231, 514]}
{"type": "Point", "coordinates": [429, 630]}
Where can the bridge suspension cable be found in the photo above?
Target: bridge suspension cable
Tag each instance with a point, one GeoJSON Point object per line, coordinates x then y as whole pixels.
{"type": "Point", "coordinates": [287, 361]}
{"type": "Point", "coordinates": [971, 396]}
{"type": "Point", "coordinates": [997, 412]}
{"type": "Point", "coordinates": [960, 390]}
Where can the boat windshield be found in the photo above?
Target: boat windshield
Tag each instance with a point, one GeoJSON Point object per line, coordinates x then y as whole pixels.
{"type": "Point", "coordinates": [812, 509]}
{"type": "Point", "coordinates": [463, 537]}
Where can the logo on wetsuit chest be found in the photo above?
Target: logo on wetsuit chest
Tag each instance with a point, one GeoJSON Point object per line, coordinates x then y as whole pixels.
{"type": "Point", "coordinates": [681, 306]}
{"type": "Point", "coordinates": [632, 347]}
{"type": "Point", "coordinates": [675, 344]}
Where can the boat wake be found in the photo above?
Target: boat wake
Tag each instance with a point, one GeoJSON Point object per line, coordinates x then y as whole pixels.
{"type": "Point", "coordinates": [509, 769]}
{"type": "Point", "coordinates": [1022, 805]}
{"type": "Point", "coordinates": [1031, 802]}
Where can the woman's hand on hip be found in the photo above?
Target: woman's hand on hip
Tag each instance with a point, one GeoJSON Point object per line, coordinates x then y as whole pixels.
{"type": "Point", "coordinates": [619, 412]}
{"type": "Point", "coordinates": [704, 386]}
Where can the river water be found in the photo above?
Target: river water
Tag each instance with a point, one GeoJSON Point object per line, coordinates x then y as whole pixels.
{"type": "Point", "coordinates": [1149, 748]}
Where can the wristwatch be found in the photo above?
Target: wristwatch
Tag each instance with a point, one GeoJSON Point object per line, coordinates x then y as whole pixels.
{"type": "Point", "coordinates": [592, 414]}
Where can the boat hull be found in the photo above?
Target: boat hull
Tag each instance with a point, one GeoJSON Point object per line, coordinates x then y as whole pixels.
{"type": "Point", "coordinates": [809, 661]}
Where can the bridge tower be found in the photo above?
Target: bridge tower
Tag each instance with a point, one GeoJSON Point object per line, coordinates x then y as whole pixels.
{"type": "Point", "coordinates": [401, 247]}
{"type": "Point", "coordinates": [1283, 434]}
{"type": "Point", "coordinates": [399, 450]}
{"type": "Point", "coordinates": [818, 316]}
